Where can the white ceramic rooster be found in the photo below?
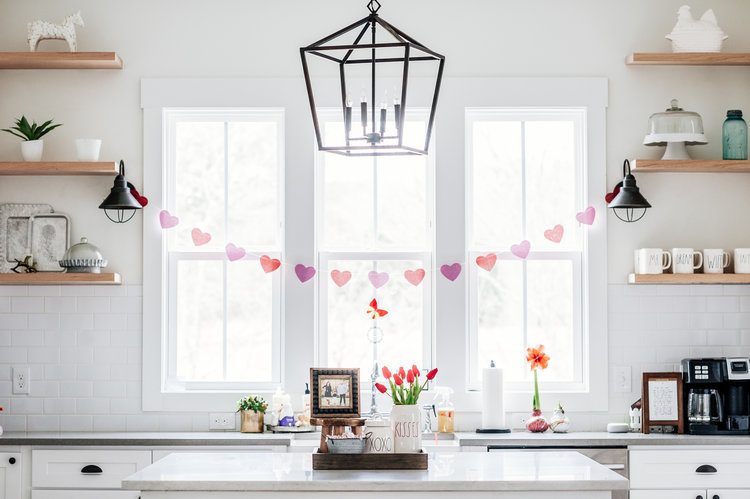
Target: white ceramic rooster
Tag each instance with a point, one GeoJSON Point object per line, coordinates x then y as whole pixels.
{"type": "Point", "coordinates": [690, 35]}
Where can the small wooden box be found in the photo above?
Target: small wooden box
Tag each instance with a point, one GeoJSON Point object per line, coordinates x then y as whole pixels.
{"type": "Point", "coordinates": [321, 461]}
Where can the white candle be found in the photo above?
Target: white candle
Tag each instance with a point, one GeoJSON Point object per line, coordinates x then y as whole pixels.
{"type": "Point", "coordinates": [493, 412]}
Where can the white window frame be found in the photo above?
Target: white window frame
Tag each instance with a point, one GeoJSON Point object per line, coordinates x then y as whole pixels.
{"type": "Point", "coordinates": [576, 258]}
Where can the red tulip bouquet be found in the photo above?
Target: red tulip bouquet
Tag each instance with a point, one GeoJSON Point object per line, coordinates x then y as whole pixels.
{"type": "Point", "coordinates": [400, 393]}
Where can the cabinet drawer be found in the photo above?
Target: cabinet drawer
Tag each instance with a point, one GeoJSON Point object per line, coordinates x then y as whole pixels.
{"type": "Point", "coordinates": [680, 469]}
{"type": "Point", "coordinates": [162, 453]}
{"type": "Point", "coordinates": [85, 469]}
{"type": "Point", "coordinates": [668, 494]}
{"type": "Point", "coordinates": [85, 494]}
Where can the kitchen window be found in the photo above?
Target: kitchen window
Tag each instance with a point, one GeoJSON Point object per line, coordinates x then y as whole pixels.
{"type": "Point", "coordinates": [374, 215]}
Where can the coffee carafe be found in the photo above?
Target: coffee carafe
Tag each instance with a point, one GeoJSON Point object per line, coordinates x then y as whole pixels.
{"type": "Point", "coordinates": [705, 406]}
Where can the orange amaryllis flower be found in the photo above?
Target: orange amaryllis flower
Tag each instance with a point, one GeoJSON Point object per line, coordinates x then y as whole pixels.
{"type": "Point", "coordinates": [381, 388]}
{"type": "Point", "coordinates": [386, 373]}
{"type": "Point", "coordinates": [537, 358]}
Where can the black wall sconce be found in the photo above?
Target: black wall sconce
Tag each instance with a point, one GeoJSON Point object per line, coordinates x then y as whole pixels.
{"type": "Point", "coordinates": [121, 203]}
{"type": "Point", "coordinates": [629, 205]}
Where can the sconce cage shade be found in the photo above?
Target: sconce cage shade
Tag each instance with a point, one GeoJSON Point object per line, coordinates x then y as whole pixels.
{"type": "Point", "coordinates": [629, 205]}
{"type": "Point", "coordinates": [120, 205]}
{"type": "Point", "coordinates": [376, 63]}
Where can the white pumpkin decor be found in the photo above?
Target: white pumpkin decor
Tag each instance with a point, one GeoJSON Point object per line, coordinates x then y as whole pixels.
{"type": "Point", "coordinates": [703, 35]}
{"type": "Point", "coordinates": [43, 30]}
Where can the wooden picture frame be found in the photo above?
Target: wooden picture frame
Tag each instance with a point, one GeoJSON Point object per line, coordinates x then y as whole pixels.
{"type": "Point", "coordinates": [662, 395]}
{"type": "Point", "coordinates": [334, 393]}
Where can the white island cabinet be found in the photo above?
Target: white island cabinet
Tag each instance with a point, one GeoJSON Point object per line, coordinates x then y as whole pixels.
{"type": "Point", "coordinates": [559, 475]}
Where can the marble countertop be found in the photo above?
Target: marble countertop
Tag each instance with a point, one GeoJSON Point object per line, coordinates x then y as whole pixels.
{"type": "Point", "coordinates": [527, 471]}
{"type": "Point", "coordinates": [594, 439]}
{"type": "Point", "coordinates": [148, 439]}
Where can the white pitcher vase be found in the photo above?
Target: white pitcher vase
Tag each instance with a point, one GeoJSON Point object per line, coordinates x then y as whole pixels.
{"type": "Point", "coordinates": [406, 422]}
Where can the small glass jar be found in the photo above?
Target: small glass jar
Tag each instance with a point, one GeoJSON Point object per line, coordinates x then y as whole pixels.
{"type": "Point", "coordinates": [734, 136]}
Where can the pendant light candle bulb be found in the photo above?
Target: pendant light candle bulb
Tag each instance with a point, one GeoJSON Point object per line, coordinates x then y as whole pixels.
{"type": "Point", "coordinates": [348, 116]}
{"type": "Point", "coordinates": [363, 111]}
{"type": "Point", "coordinates": [383, 114]}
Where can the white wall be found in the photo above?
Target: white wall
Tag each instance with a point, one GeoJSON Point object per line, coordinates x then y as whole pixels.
{"type": "Point", "coordinates": [226, 38]}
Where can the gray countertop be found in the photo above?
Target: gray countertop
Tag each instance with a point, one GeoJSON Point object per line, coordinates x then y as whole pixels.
{"type": "Point", "coordinates": [512, 440]}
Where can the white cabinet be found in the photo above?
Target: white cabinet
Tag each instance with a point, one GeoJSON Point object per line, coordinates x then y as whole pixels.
{"type": "Point", "coordinates": [85, 494]}
{"type": "Point", "coordinates": [85, 469]}
{"type": "Point", "coordinates": [728, 494]}
{"type": "Point", "coordinates": [668, 494]}
{"type": "Point", "coordinates": [162, 453]}
{"type": "Point", "coordinates": [10, 475]}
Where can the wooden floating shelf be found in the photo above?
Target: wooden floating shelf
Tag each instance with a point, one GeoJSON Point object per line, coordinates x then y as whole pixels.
{"type": "Point", "coordinates": [58, 278]}
{"type": "Point", "coordinates": [691, 166]}
{"type": "Point", "coordinates": [689, 59]}
{"type": "Point", "coordinates": [58, 168]}
{"type": "Point", "coordinates": [60, 60]}
{"type": "Point", "coordinates": [689, 278]}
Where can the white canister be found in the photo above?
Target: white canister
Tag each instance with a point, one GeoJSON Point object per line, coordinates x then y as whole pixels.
{"type": "Point", "coordinates": [742, 261]}
{"type": "Point", "coordinates": [379, 436]}
{"type": "Point", "coordinates": [406, 422]}
{"type": "Point", "coordinates": [88, 149]}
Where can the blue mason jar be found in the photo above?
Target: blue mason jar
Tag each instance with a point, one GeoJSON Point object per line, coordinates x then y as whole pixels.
{"type": "Point", "coordinates": [734, 135]}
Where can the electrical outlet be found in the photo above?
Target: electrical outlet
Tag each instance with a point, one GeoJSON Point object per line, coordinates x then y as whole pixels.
{"type": "Point", "coordinates": [21, 380]}
{"type": "Point", "coordinates": [221, 421]}
{"type": "Point", "coordinates": [623, 377]}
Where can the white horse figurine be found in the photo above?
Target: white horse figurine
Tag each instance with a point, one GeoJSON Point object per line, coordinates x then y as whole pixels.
{"type": "Point", "coordinates": [43, 30]}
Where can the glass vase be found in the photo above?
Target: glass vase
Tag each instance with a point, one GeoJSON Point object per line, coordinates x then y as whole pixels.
{"type": "Point", "coordinates": [734, 136]}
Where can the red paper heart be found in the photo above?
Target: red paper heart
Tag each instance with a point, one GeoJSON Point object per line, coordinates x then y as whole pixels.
{"type": "Point", "coordinates": [414, 277]}
{"type": "Point", "coordinates": [269, 264]}
{"type": "Point", "coordinates": [142, 200]}
{"type": "Point", "coordinates": [341, 278]}
{"type": "Point", "coordinates": [199, 237]}
{"type": "Point", "coordinates": [555, 234]}
{"type": "Point", "coordinates": [612, 195]}
{"type": "Point", "coordinates": [487, 262]}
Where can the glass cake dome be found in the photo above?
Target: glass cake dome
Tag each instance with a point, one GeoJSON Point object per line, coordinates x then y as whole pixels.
{"type": "Point", "coordinates": [675, 128]}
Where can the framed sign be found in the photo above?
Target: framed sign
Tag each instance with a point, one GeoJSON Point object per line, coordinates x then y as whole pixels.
{"type": "Point", "coordinates": [334, 393]}
{"type": "Point", "coordinates": [662, 403]}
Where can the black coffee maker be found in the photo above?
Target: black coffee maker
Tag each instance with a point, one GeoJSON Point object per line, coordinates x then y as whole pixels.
{"type": "Point", "coordinates": [717, 396]}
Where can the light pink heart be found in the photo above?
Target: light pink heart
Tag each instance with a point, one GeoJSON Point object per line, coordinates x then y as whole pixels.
{"type": "Point", "coordinates": [199, 237]}
{"type": "Point", "coordinates": [487, 262]}
{"type": "Point", "coordinates": [304, 273]}
{"type": "Point", "coordinates": [587, 216]}
{"type": "Point", "coordinates": [554, 234]}
{"type": "Point", "coordinates": [341, 278]}
{"type": "Point", "coordinates": [234, 252]}
{"type": "Point", "coordinates": [415, 277]}
{"type": "Point", "coordinates": [166, 220]}
{"type": "Point", "coordinates": [521, 250]}
{"type": "Point", "coordinates": [378, 279]}
{"type": "Point", "coordinates": [452, 271]}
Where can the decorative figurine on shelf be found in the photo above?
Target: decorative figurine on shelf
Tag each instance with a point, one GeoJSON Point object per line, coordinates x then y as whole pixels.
{"type": "Point", "coordinates": [635, 416]}
{"type": "Point", "coordinates": [559, 423]}
{"type": "Point", "coordinates": [537, 359]}
{"type": "Point", "coordinates": [689, 35]}
{"type": "Point", "coordinates": [44, 30]}
{"type": "Point", "coordinates": [26, 266]}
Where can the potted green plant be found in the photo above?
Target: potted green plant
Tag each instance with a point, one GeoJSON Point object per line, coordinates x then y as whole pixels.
{"type": "Point", "coordinates": [32, 145]}
{"type": "Point", "coordinates": [252, 410]}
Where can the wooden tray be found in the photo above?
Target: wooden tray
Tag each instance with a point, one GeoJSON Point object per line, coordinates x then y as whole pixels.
{"type": "Point", "coordinates": [322, 461]}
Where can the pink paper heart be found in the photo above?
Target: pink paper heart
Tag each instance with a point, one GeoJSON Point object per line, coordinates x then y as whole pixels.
{"type": "Point", "coordinates": [521, 250]}
{"type": "Point", "coordinates": [304, 273]}
{"type": "Point", "coordinates": [487, 262]}
{"type": "Point", "coordinates": [586, 216]}
{"type": "Point", "coordinates": [341, 278]}
{"type": "Point", "coordinates": [451, 272]}
{"type": "Point", "coordinates": [269, 264]}
{"type": "Point", "coordinates": [166, 220]}
{"type": "Point", "coordinates": [554, 234]}
{"type": "Point", "coordinates": [414, 277]}
{"type": "Point", "coordinates": [378, 279]}
{"type": "Point", "coordinates": [199, 237]}
{"type": "Point", "coordinates": [234, 252]}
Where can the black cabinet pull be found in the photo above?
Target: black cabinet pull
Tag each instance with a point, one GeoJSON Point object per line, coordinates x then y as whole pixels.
{"type": "Point", "coordinates": [705, 469]}
{"type": "Point", "coordinates": [12, 460]}
{"type": "Point", "coordinates": [91, 469]}
{"type": "Point", "coordinates": [716, 496]}
{"type": "Point", "coordinates": [698, 497]}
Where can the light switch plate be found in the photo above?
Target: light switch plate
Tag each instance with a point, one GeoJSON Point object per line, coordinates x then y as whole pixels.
{"type": "Point", "coordinates": [21, 380]}
{"type": "Point", "coordinates": [221, 421]}
{"type": "Point", "coordinates": [623, 376]}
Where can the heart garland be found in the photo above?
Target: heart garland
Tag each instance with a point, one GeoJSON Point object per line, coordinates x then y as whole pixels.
{"type": "Point", "coordinates": [414, 277]}
{"type": "Point", "coordinates": [304, 273]}
{"type": "Point", "coordinates": [269, 264]}
{"type": "Point", "coordinates": [487, 262]}
{"type": "Point", "coordinates": [378, 279]}
{"type": "Point", "coordinates": [341, 278]}
{"type": "Point", "coordinates": [199, 237]}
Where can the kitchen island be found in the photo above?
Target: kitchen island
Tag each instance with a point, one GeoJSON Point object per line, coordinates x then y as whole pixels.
{"type": "Point", "coordinates": [520, 475]}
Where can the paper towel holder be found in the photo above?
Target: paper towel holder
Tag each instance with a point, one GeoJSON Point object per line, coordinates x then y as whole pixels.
{"type": "Point", "coordinates": [493, 430]}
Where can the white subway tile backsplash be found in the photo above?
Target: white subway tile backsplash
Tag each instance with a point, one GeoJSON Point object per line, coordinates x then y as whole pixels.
{"type": "Point", "coordinates": [76, 388]}
{"type": "Point", "coordinates": [109, 389]}
{"type": "Point", "coordinates": [60, 304]}
{"type": "Point", "coordinates": [59, 406]}
{"type": "Point", "coordinates": [93, 338]}
{"type": "Point", "coordinates": [109, 423]}
{"type": "Point", "coordinates": [26, 304]}
{"type": "Point", "coordinates": [76, 423]}
{"type": "Point", "coordinates": [4, 304]}
{"type": "Point", "coordinates": [76, 355]}
{"type": "Point", "coordinates": [46, 291]}
{"type": "Point", "coordinates": [44, 355]}
{"type": "Point", "coordinates": [126, 304]}
{"type": "Point", "coordinates": [92, 406]}
{"type": "Point", "coordinates": [43, 423]}
{"type": "Point", "coordinates": [14, 321]}
{"type": "Point", "coordinates": [93, 372]}
{"type": "Point", "coordinates": [26, 405]}
{"type": "Point", "coordinates": [737, 321]}
{"type": "Point", "coordinates": [113, 322]}
{"type": "Point", "coordinates": [44, 321]}
{"type": "Point", "coordinates": [27, 338]}
{"type": "Point", "coordinates": [7, 290]}
{"type": "Point", "coordinates": [722, 304]}
{"type": "Point", "coordinates": [76, 321]}
{"type": "Point", "coordinates": [92, 304]}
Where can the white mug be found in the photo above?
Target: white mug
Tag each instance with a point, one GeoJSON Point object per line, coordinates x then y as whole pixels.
{"type": "Point", "coordinates": [652, 261]}
{"type": "Point", "coordinates": [684, 260]}
{"type": "Point", "coordinates": [742, 261]}
{"type": "Point", "coordinates": [715, 261]}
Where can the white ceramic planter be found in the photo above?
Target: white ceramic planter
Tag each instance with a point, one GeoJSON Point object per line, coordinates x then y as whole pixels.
{"type": "Point", "coordinates": [406, 422]}
{"type": "Point", "coordinates": [379, 436]}
{"type": "Point", "coordinates": [31, 150]}
{"type": "Point", "coordinates": [88, 149]}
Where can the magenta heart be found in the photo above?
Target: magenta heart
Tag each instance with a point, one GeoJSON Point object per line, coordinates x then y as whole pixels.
{"type": "Point", "coordinates": [234, 252]}
{"type": "Point", "coordinates": [304, 273]}
{"type": "Point", "coordinates": [521, 250]}
{"type": "Point", "coordinates": [451, 272]}
{"type": "Point", "coordinates": [166, 220]}
{"type": "Point", "coordinates": [587, 216]}
{"type": "Point", "coordinates": [378, 279]}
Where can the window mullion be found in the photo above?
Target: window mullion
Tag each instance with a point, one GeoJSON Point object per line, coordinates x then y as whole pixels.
{"type": "Point", "coordinates": [524, 275]}
{"type": "Point", "coordinates": [225, 350]}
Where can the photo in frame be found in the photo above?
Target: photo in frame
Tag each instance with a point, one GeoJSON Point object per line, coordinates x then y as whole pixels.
{"type": "Point", "coordinates": [334, 393]}
{"type": "Point", "coordinates": [662, 403]}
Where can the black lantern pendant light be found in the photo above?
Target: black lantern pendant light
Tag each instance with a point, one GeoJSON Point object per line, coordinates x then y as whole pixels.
{"type": "Point", "coordinates": [120, 205]}
{"type": "Point", "coordinates": [629, 205]}
{"type": "Point", "coordinates": [377, 49]}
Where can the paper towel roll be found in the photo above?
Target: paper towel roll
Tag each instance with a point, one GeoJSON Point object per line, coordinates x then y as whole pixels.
{"type": "Point", "coordinates": [493, 412]}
